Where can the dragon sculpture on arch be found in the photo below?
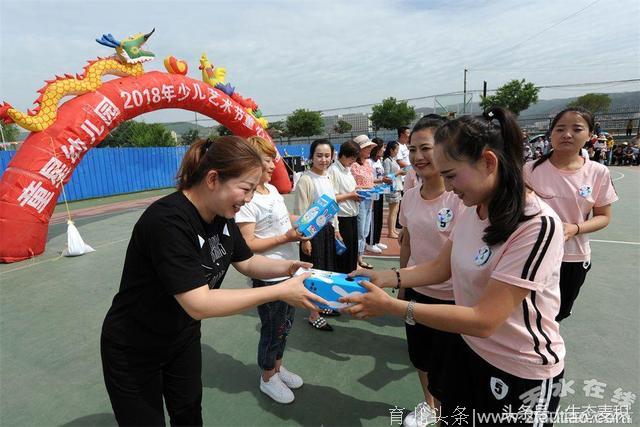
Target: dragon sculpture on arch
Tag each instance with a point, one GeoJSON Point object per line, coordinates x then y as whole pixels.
{"type": "Point", "coordinates": [127, 61]}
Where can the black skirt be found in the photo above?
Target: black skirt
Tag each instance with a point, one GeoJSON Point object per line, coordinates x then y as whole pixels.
{"type": "Point", "coordinates": [348, 261]}
{"type": "Point", "coordinates": [323, 250]}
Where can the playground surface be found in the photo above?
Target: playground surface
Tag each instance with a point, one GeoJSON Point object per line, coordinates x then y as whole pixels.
{"type": "Point", "coordinates": [52, 308]}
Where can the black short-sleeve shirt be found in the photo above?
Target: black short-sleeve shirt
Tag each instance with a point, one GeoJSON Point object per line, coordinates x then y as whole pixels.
{"type": "Point", "coordinates": [172, 250]}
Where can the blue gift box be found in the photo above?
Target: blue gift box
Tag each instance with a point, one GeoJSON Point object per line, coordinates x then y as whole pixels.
{"type": "Point", "coordinates": [365, 194]}
{"type": "Point", "coordinates": [340, 247]}
{"type": "Point", "coordinates": [333, 286]}
{"type": "Point", "coordinates": [382, 189]}
{"type": "Point", "coordinates": [392, 177]}
{"type": "Point", "coordinates": [317, 216]}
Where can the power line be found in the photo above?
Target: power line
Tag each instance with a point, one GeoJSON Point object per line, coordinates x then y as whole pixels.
{"type": "Point", "coordinates": [546, 29]}
{"type": "Point", "coordinates": [327, 110]}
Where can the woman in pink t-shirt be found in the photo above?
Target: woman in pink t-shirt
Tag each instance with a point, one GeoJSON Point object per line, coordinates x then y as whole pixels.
{"type": "Point", "coordinates": [428, 214]}
{"type": "Point", "coordinates": [575, 188]}
{"type": "Point", "coordinates": [503, 259]}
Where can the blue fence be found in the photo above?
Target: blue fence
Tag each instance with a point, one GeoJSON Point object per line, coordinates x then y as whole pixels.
{"type": "Point", "coordinates": [110, 171]}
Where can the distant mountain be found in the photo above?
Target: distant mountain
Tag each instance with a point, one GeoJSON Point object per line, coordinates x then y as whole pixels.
{"type": "Point", "coordinates": [621, 101]}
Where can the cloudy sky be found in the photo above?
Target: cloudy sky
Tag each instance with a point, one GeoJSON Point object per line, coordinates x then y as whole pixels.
{"type": "Point", "coordinates": [326, 54]}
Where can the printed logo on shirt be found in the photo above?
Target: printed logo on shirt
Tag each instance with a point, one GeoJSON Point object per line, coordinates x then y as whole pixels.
{"type": "Point", "coordinates": [201, 241]}
{"type": "Point", "coordinates": [483, 255]}
{"type": "Point", "coordinates": [585, 190]}
{"type": "Point", "coordinates": [445, 216]}
{"type": "Point", "coordinates": [498, 388]}
{"type": "Point", "coordinates": [217, 250]}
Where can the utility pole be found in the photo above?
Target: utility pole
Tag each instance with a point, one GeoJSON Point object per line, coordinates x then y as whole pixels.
{"type": "Point", "coordinates": [484, 92]}
{"type": "Point", "coordinates": [464, 93]}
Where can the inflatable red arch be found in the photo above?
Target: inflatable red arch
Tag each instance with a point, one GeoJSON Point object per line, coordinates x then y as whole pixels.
{"type": "Point", "coordinates": [33, 179]}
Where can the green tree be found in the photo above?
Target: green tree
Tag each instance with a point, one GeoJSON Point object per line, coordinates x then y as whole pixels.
{"type": "Point", "coordinates": [516, 95]}
{"type": "Point", "coordinates": [10, 132]}
{"type": "Point", "coordinates": [139, 134]}
{"type": "Point", "coordinates": [223, 131]}
{"type": "Point", "coordinates": [190, 136]}
{"type": "Point", "coordinates": [594, 102]}
{"type": "Point", "coordinates": [304, 123]}
{"type": "Point", "coordinates": [391, 114]}
{"type": "Point", "coordinates": [342, 126]}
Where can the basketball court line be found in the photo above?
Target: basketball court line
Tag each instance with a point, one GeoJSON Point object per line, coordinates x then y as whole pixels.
{"type": "Point", "coordinates": [618, 178]}
{"type": "Point", "coordinates": [619, 242]}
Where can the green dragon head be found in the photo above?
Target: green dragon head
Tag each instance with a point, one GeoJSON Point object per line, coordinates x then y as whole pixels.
{"type": "Point", "coordinates": [129, 50]}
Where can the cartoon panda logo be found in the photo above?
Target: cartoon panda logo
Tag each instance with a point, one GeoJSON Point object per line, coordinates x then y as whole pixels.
{"type": "Point", "coordinates": [311, 213]}
{"type": "Point", "coordinates": [483, 255]}
{"type": "Point", "coordinates": [445, 216]}
{"type": "Point", "coordinates": [585, 190]}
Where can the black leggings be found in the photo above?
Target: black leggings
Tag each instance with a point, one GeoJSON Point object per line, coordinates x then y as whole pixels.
{"type": "Point", "coordinates": [137, 383]}
{"type": "Point", "coordinates": [376, 222]}
{"type": "Point", "coordinates": [572, 276]}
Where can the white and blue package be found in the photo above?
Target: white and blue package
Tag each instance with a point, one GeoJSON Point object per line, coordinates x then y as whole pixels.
{"type": "Point", "coordinates": [365, 194]}
{"type": "Point", "coordinates": [332, 286]}
{"type": "Point", "coordinates": [340, 247]}
{"type": "Point", "coordinates": [317, 216]}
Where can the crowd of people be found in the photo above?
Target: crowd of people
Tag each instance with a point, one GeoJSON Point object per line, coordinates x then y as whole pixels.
{"type": "Point", "coordinates": [491, 261]}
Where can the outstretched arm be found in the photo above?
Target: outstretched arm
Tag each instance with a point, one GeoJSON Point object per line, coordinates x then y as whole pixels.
{"type": "Point", "coordinates": [202, 302]}
{"type": "Point", "coordinates": [481, 320]}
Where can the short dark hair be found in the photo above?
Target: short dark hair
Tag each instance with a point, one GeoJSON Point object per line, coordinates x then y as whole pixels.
{"type": "Point", "coordinates": [379, 145]}
{"type": "Point", "coordinates": [401, 130]}
{"type": "Point", "coordinates": [349, 149]}
{"type": "Point", "coordinates": [317, 142]}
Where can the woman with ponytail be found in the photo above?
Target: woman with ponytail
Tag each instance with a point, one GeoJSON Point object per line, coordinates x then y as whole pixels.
{"type": "Point", "coordinates": [576, 188]}
{"type": "Point", "coordinates": [503, 260]}
{"type": "Point", "coordinates": [177, 258]}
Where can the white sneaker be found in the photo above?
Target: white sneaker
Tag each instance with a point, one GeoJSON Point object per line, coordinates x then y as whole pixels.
{"type": "Point", "coordinates": [276, 389]}
{"type": "Point", "coordinates": [382, 246]}
{"type": "Point", "coordinates": [291, 380]}
{"type": "Point", "coordinates": [423, 416]}
{"type": "Point", "coordinates": [373, 249]}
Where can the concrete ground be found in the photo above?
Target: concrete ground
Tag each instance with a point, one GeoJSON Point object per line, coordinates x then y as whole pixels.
{"type": "Point", "coordinates": [52, 308]}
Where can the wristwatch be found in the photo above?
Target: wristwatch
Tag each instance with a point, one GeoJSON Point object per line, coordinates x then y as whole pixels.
{"type": "Point", "coordinates": [408, 318]}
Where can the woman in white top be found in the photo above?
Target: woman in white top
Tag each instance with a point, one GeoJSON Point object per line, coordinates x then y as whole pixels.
{"type": "Point", "coordinates": [345, 186]}
{"type": "Point", "coordinates": [265, 225]}
{"type": "Point", "coordinates": [377, 211]}
{"type": "Point", "coordinates": [391, 167]}
{"type": "Point", "coordinates": [321, 250]}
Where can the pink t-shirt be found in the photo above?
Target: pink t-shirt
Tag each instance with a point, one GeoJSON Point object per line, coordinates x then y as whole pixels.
{"type": "Point", "coordinates": [528, 344]}
{"type": "Point", "coordinates": [410, 179]}
{"type": "Point", "coordinates": [573, 195]}
{"type": "Point", "coordinates": [363, 174]}
{"type": "Point", "coordinates": [430, 223]}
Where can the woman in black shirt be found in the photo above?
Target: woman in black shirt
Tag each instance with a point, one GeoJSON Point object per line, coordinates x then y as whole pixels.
{"type": "Point", "coordinates": [178, 255]}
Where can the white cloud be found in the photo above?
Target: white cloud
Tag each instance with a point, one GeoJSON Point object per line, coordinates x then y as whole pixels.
{"type": "Point", "coordinates": [322, 54]}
